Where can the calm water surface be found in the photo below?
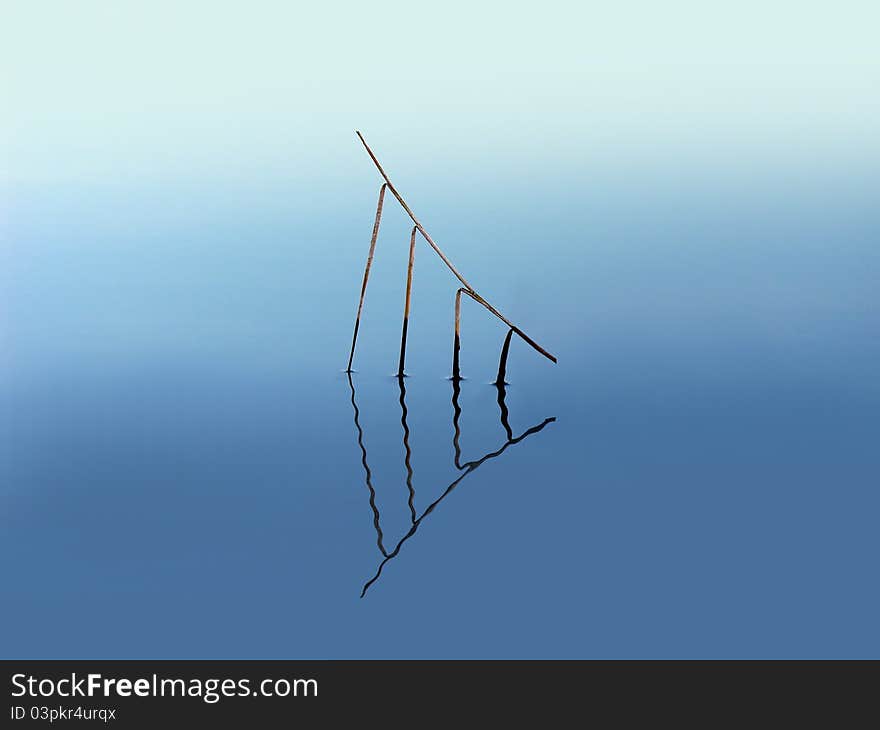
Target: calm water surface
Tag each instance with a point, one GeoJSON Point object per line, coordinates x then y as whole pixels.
{"type": "Point", "coordinates": [186, 471]}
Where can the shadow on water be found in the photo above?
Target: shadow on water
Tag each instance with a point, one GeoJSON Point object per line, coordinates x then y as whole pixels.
{"type": "Point", "coordinates": [466, 467]}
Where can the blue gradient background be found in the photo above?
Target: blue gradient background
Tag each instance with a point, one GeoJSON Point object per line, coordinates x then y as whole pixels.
{"type": "Point", "coordinates": [678, 200]}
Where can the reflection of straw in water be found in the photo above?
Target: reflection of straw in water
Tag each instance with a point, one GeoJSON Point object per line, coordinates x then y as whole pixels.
{"type": "Point", "coordinates": [471, 467]}
{"type": "Point", "coordinates": [369, 476]}
{"type": "Point", "coordinates": [505, 414]}
{"type": "Point", "coordinates": [456, 415]}
{"type": "Point", "coordinates": [408, 452]}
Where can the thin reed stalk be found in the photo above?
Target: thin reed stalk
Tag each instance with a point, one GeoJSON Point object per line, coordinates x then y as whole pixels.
{"type": "Point", "coordinates": [357, 321]}
{"type": "Point", "coordinates": [409, 277]}
{"type": "Point", "coordinates": [502, 363]}
{"type": "Point", "coordinates": [456, 342]}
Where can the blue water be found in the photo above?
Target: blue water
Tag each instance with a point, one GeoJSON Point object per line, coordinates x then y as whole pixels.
{"type": "Point", "coordinates": [182, 471]}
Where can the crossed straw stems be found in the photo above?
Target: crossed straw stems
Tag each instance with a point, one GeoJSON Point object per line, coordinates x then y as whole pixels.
{"type": "Point", "coordinates": [465, 289]}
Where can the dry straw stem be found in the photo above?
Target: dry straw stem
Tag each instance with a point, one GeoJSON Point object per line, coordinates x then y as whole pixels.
{"type": "Point", "coordinates": [456, 342]}
{"type": "Point", "coordinates": [468, 288]}
{"type": "Point", "coordinates": [357, 321]}
{"type": "Point", "coordinates": [409, 276]}
{"type": "Point", "coordinates": [502, 363]}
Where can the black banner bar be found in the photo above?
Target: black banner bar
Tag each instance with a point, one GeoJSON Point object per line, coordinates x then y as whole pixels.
{"type": "Point", "coordinates": [126, 694]}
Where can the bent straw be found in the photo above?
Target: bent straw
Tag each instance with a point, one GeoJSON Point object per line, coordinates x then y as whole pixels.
{"type": "Point", "coordinates": [456, 342]}
{"type": "Point", "coordinates": [502, 364]}
{"type": "Point", "coordinates": [409, 275]}
{"type": "Point", "coordinates": [446, 261]}
{"type": "Point", "coordinates": [357, 321]}
{"type": "Point", "coordinates": [522, 335]}
{"type": "Point", "coordinates": [409, 211]}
